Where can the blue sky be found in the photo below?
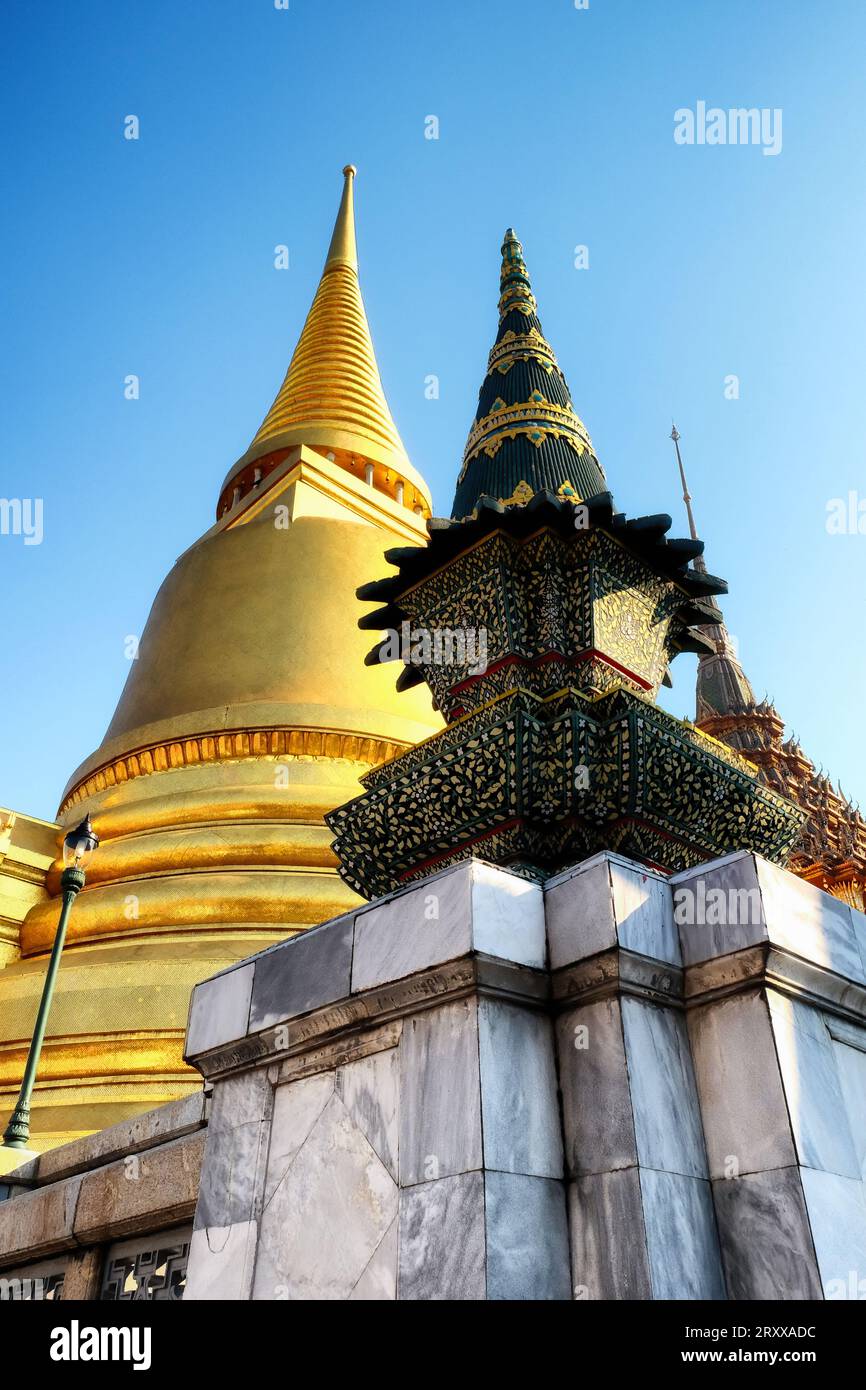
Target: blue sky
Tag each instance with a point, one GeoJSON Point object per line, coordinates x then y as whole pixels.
{"type": "Point", "coordinates": [155, 257]}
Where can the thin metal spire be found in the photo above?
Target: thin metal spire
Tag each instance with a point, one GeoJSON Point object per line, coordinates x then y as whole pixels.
{"type": "Point", "coordinates": [687, 496]}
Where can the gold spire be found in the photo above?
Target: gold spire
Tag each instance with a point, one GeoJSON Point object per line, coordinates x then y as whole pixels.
{"type": "Point", "coordinates": [332, 398]}
{"type": "Point", "coordinates": [343, 250]}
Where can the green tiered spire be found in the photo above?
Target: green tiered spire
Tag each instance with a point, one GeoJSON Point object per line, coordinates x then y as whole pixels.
{"type": "Point", "coordinates": [544, 630]}
{"type": "Point", "coordinates": [526, 437]}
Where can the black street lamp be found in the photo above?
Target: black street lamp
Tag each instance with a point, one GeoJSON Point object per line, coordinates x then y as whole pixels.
{"type": "Point", "coordinates": [78, 846]}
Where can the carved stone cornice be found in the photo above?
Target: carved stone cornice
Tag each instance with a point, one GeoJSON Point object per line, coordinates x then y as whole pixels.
{"type": "Point", "coordinates": [351, 1018]}
{"type": "Point", "coordinates": [769, 967]}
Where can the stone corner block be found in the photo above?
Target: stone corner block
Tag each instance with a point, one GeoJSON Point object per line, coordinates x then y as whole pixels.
{"type": "Point", "coordinates": [219, 1011]}
{"type": "Point", "coordinates": [472, 906]}
{"type": "Point", "coordinates": [609, 901]}
{"type": "Point", "coordinates": [802, 918]}
{"type": "Point", "coordinates": [507, 916]}
{"type": "Point", "coordinates": [306, 972]}
{"type": "Point", "coordinates": [718, 907]}
{"type": "Point", "coordinates": [743, 900]}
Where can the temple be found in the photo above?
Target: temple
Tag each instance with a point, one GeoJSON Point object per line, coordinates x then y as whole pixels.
{"type": "Point", "coordinates": [255, 725]}
{"type": "Point", "coordinates": [473, 976]}
{"type": "Point", "coordinates": [554, 747]}
{"type": "Point", "coordinates": [247, 715]}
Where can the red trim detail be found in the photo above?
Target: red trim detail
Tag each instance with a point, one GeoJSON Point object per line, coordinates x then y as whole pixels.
{"type": "Point", "coordinates": [573, 820]}
{"type": "Point", "coordinates": [591, 653]}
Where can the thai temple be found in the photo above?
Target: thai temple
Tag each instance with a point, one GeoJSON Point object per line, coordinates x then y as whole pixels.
{"type": "Point", "coordinates": [248, 714]}
{"type": "Point", "coordinates": [268, 771]}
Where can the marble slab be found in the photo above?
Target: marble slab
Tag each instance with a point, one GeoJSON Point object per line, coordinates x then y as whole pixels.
{"type": "Point", "coordinates": [681, 1237]}
{"type": "Point", "coordinates": [794, 1013]}
{"type": "Point", "coordinates": [837, 1215]}
{"type": "Point", "coordinates": [378, 1283]}
{"type": "Point", "coordinates": [579, 914]}
{"type": "Point", "coordinates": [219, 1010]}
{"type": "Point", "coordinates": [303, 973]}
{"type": "Point", "coordinates": [472, 907]}
{"type": "Point", "coordinates": [241, 1099]}
{"type": "Point", "coordinates": [743, 1108]}
{"type": "Point", "coordinates": [369, 1089]}
{"type": "Point", "coordinates": [442, 1240]}
{"type": "Point", "coordinates": [238, 1132]}
{"type": "Point", "coordinates": [327, 1216]}
{"type": "Point", "coordinates": [765, 1236]}
{"type": "Point", "coordinates": [297, 1107]}
{"type": "Point", "coordinates": [232, 1171]}
{"type": "Point", "coordinates": [519, 1100]}
{"type": "Point", "coordinates": [440, 1094]}
{"type": "Point", "coordinates": [667, 1118]}
{"type": "Point", "coordinates": [507, 916]}
{"type": "Point", "coordinates": [644, 912]}
{"type": "Point", "coordinates": [605, 901]}
{"type": "Point", "coordinates": [527, 1238]}
{"type": "Point", "coordinates": [814, 1093]}
{"type": "Point", "coordinates": [809, 922]}
{"type": "Point", "coordinates": [608, 1243]}
{"type": "Point", "coordinates": [596, 1097]}
{"type": "Point", "coordinates": [718, 908]}
{"type": "Point", "coordinates": [761, 902]}
{"type": "Point", "coordinates": [858, 926]}
{"type": "Point", "coordinates": [851, 1067]}
{"type": "Point", "coordinates": [221, 1261]}
{"type": "Point", "coordinates": [425, 926]}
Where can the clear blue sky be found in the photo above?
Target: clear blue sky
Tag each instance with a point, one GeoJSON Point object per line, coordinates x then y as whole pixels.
{"type": "Point", "coordinates": [155, 257]}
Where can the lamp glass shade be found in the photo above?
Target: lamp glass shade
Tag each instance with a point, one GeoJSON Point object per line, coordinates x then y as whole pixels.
{"type": "Point", "coordinates": [79, 844]}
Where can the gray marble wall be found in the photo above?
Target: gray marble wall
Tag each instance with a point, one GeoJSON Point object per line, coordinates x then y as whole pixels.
{"type": "Point", "coordinates": [780, 1061]}
{"type": "Point", "coordinates": [620, 1087]}
{"type": "Point", "coordinates": [404, 1140]}
{"type": "Point", "coordinates": [640, 1206]}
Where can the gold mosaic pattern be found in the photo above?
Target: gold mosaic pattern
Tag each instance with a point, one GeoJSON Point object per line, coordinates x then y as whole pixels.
{"type": "Point", "coordinates": [552, 601]}
{"type": "Point", "coordinates": [506, 785]}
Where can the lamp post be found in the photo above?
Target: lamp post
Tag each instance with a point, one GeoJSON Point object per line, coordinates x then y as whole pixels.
{"type": "Point", "coordinates": [78, 846]}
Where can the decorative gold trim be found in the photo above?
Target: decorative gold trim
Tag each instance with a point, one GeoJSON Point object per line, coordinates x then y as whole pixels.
{"type": "Point", "coordinates": [535, 418]}
{"type": "Point", "coordinates": [519, 346]}
{"type": "Point", "coordinates": [226, 745]}
{"type": "Point", "coordinates": [522, 493]}
{"type": "Point", "coordinates": [518, 297]}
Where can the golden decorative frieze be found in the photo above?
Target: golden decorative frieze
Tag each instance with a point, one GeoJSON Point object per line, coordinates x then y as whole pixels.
{"type": "Point", "coordinates": [231, 745]}
{"type": "Point", "coordinates": [535, 418]}
{"type": "Point", "coordinates": [515, 347]}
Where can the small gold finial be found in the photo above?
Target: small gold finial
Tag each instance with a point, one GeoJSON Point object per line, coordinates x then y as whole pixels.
{"type": "Point", "coordinates": [342, 250]}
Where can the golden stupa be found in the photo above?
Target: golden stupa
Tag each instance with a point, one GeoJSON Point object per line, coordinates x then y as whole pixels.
{"type": "Point", "coordinates": [247, 715]}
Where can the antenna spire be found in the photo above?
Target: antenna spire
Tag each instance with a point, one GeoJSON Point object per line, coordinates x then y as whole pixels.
{"type": "Point", "coordinates": [687, 496]}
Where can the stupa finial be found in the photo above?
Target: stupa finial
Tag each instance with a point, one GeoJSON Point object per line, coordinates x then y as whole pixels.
{"type": "Point", "coordinates": [343, 249]}
{"type": "Point", "coordinates": [525, 438]}
{"type": "Point", "coordinates": [331, 399]}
